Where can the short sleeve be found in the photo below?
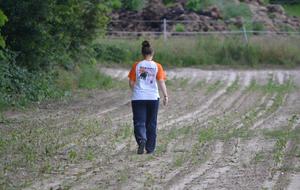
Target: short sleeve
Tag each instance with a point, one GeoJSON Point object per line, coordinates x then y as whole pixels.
{"type": "Point", "coordinates": [132, 72]}
{"type": "Point", "coordinates": [161, 75]}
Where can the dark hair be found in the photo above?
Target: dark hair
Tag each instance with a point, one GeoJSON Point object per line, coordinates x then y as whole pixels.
{"type": "Point", "coordinates": [146, 48]}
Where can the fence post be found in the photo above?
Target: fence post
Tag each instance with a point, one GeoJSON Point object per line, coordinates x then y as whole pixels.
{"type": "Point", "coordinates": [245, 34]}
{"type": "Point", "coordinates": [165, 30]}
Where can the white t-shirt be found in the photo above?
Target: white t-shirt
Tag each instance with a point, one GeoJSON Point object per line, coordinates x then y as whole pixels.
{"type": "Point", "coordinates": [145, 73]}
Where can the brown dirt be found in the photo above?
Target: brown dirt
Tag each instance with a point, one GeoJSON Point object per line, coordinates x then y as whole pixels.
{"type": "Point", "coordinates": [236, 156]}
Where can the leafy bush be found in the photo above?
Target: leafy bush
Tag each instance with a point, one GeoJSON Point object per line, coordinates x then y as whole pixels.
{"type": "Point", "coordinates": [257, 26]}
{"type": "Point", "coordinates": [18, 86]}
{"type": "Point", "coordinates": [229, 8]}
{"type": "Point", "coordinates": [46, 32]}
{"type": "Point", "coordinates": [194, 5]}
{"type": "Point", "coordinates": [167, 2]}
{"type": "Point", "coordinates": [3, 20]}
{"type": "Point", "coordinates": [266, 2]}
{"type": "Point", "coordinates": [115, 4]}
{"type": "Point", "coordinates": [284, 1]}
{"type": "Point", "coordinates": [41, 35]}
{"type": "Point", "coordinates": [133, 5]}
{"type": "Point", "coordinates": [110, 52]}
{"type": "Point", "coordinates": [85, 76]}
{"type": "Point", "coordinates": [91, 78]}
{"type": "Point", "coordinates": [179, 27]}
{"type": "Point", "coordinates": [232, 10]}
{"type": "Point", "coordinates": [292, 10]}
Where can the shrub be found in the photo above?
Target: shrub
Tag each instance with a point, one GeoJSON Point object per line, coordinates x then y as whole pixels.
{"type": "Point", "coordinates": [46, 32]}
{"type": "Point", "coordinates": [194, 5]}
{"type": "Point", "coordinates": [3, 20]}
{"type": "Point", "coordinates": [179, 27]}
{"type": "Point", "coordinates": [284, 1]}
{"type": "Point", "coordinates": [91, 78]}
{"type": "Point", "coordinates": [229, 8]}
{"type": "Point", "coordinates": [110, 52]}
{"type": "Point", "coordinates": [257, 26]}
{"type": "Point", "coordinates": [133, 5]}
{"type": "Point", "coordinates": [18, 86]}
{"type": "Point", "coordinates": [40, 35]}
{"type": "Point", "coordinates": [168, 2]}
{"type": "Point", "coordinates": [232, 10]}
{"type": "Point", "coordinates": [266, 2]}
{"type": "Point", "coordinates": [115, 4]}
{"type": "Point", "coordinates": [292, 10]}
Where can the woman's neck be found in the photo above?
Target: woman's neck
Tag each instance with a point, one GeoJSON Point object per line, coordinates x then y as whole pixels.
{"type": "Point", "coordinates": [148, 58]}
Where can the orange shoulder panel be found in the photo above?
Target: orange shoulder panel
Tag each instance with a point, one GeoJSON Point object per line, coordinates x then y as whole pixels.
{"type": "Point", "coordinates": [161, 75]}
{"type": "Point", "coordinates": [132, 73]}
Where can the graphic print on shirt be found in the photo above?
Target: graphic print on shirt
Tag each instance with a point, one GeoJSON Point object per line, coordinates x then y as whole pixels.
{"type": "Point", "coordinates": [147, 74]}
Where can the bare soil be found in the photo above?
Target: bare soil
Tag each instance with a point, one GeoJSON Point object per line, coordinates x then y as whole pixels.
{"type": "Point", "coordinates": [228, 129]}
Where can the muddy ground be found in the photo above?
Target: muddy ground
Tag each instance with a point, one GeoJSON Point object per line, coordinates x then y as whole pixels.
{"type": "Point", "coordinates": [221, 130]}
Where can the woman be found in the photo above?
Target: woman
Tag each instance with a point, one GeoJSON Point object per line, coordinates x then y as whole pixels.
{"type": "Point", "coordinates": [144, 79]}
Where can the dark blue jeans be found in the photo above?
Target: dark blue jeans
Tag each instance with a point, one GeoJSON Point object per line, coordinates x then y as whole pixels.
{"type": "Point", "coordinates": [144, 121]}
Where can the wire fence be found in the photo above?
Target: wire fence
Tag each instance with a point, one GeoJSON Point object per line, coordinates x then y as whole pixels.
{"type": "Point", "coordinates": [178, 28]}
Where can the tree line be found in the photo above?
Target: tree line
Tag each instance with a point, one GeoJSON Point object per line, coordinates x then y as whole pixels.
{"type": "Point", "coordinates": [36, 36]}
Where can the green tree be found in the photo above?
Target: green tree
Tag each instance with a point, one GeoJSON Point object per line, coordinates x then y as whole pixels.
{"type": "Point", "coordinates": [3, 20]}
{"type": "Point", "coordinates": [133, 5]}
{"type": "Point", "coordinates": [39, 35]}
{"type": "Point", "coordinates": [48, 32]}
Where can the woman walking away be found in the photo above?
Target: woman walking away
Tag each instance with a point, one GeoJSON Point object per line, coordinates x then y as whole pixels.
{"type": "Point", "coordinates": [144, 79]}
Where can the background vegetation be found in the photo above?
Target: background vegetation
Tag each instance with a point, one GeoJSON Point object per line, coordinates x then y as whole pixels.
{"type": "Point", "coordinates": [43, 36]}
{"type": "Point", "coordinates": [292, 10]}
{"type": "Point", "coordinates": [229, 8]}
{"type": "Point", "coordinates": [206, 51]}
{"type": "Point", "coordinates": [49, 47]}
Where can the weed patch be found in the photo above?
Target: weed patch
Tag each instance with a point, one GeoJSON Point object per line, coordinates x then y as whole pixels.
{"type": "Point", "coordinates": [233, 87]}
{"type": "Point", "coordinates": [38, 148]}
{"type": "Point", "coordinates": [282, 136]}
{"type": "Point", "coordinates": [214, 87]}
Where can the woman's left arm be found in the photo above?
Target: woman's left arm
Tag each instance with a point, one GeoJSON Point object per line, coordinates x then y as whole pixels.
{"type": "Point", "coordinates": [163, 88]}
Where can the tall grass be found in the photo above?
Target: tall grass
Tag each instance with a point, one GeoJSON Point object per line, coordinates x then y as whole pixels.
{"type": "Point", "coordinates": [85, 76]}
{"type": "Point", "coordinates": [206, 51]}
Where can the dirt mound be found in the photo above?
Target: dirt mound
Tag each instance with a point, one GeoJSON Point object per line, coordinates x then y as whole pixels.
{"type": "Point", "coordinates": [270, 17]}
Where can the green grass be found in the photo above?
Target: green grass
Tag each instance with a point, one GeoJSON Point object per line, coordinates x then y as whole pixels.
{"type": "Point", "coordinates": [179, 160]}
{"type": "Point", "coordinates": [214, 87]}
{"type": "Point", "coordinates": [37, 87]}
{"type": "Point", "coordinates": [233, 10]}
{"type": "Point", "coordinates": [292, 10]}
{"type": "Point", "coordinates": [124, 131]}
{"type": "Point", "coordinates": [282, 136]}
{"type": "Point", "coordinates": [259, 157]}
{"type": "Point", "coordinates": [90, 78]}
{"type": "Point", "coordinates": [218, 127]}
{"type": "Point", "coordinates": [179, 27]}
{"type": "Point", "coordinates": [205, 51]}
{"type": "Point", "coordinates": [272, 87]}
{"type": "Point", "coordinates": [228, 8]}
{"type": "Point", "coordinates": [86, 76]}
{"type": "Point", "coordinates": [39, 147]}
{"type": "Point", "coordinates": [233, 87]}
{"type": "Point", "coordinates": [169, 135]}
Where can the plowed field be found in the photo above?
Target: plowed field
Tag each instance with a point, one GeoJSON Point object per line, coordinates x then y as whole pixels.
{"type": "Point", "coordinates": [225, 129]}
